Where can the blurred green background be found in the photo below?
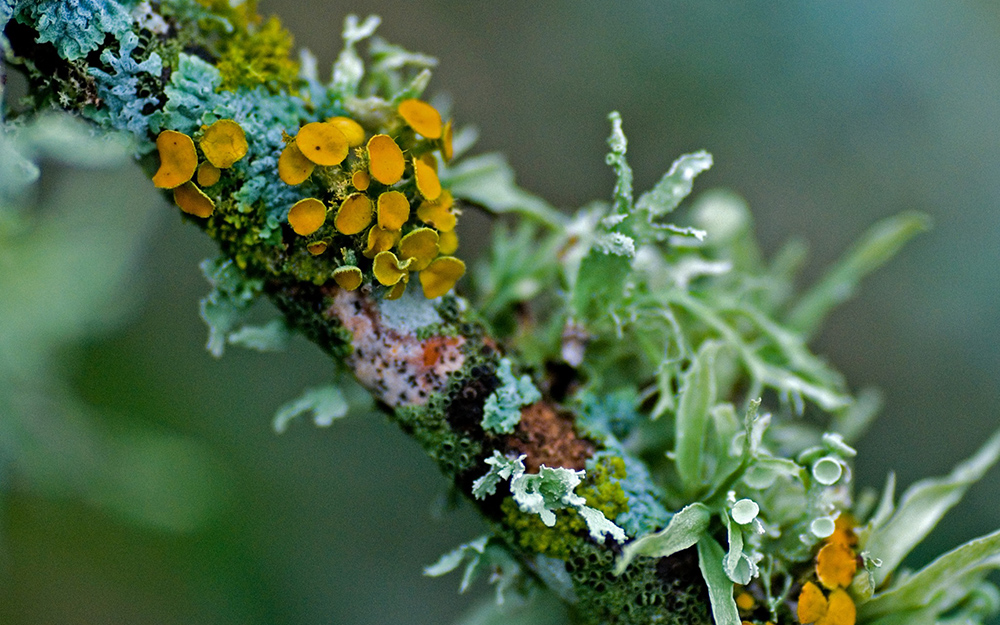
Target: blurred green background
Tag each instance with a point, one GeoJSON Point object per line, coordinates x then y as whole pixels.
{"type": "Point", "coordinates": [825, 116]}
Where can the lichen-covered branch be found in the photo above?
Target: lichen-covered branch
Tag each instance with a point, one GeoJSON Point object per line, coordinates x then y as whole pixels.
{"type": "Point", "coordinates": [620, 396]}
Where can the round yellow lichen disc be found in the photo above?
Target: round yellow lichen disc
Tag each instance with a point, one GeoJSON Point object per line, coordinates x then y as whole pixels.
{"type": "Point", "coordinates": [352, 130]}
{"type": "Point", "coordinates": [441, 275]}
{"type": "Point", "coordinates": [841, 610]}
{"type": "Point", "coordinates": [447, 242]}
{"type": "Point", "coordinates": [420, 245]}
{"type": "Point", "coordinates": [447, 145]}
{"type": "Point", "coordinates": [387, 268]}
{"type": "Point", "coordinates": [317, 248]}
{"type": "Point", "coordinates": [193, 201]}
{"type": "Point", "coordinates": [322, 143]}
{"type": "Point", "coordinates": [380, 240]}
{"type": "Point", "coordinates": [347, 277]}
{"type": "Point", "coordinates": [208, 174]}
{"type": "Point", "coordinates": [293, 166]}
{"type": "Point", "coordinates": [361, 180]}
{"type": "Point", "coordinates": [178, 159]}
{"type": "Point", "coordinates": [427, 180]}
{"type": "Point", "coordinates": [393, 210]}
{"type": "Point", "coordinates": [438, 213]}
{"type": "Point", "coordinates": [385, 159]}
{"type": "Point", "coordinates": [224, 143]}
{"type": "Point", "coordinates": [354, 215]}
{"type": "Point", "coordinates": [422, 117]}
{"type": "Point", "coordinates": [306, 216]}
{"type": "Point", "coordinates": [835, 565]}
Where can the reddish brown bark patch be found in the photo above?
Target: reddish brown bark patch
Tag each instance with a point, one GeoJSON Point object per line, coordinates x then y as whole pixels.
{"type": "Point", "coordinates": [548, 438]}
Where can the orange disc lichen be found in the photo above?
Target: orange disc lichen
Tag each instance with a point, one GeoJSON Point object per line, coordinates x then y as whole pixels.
{"type": "Point", "coordinates": [447, 242]}
{"type": "Point", "coordinates": [293, 166]}
{"type": "Point", "coordinates": [178, 159]}
{"type": "Point", "coordinates": [393, 210]}
{"type": "Point", "coordinates": [193, 201]}
{"type": "Point", "coordinates": [397, 289]}
{"type": "Point", "coordinates": [307, 216]}
{"type": "Point", "coordinates": [438, 212]}
{"type": "Point", "coordinates": [361, 180]}
{"type": "Point", "coordinates": [388, 269]}
{"type": "Point", "coordinates": [841, 609]}
{"type": "Point", "coordinates": [385, 159]}
{"type": "Point", "coordinates": [835, 565]}
{"type": "Point", "coordinates": [354, 215]}
{"type": "Point", "coordinates": [208, 174]}
{"type": "Point", "coordinates": [441, 275]}
{"type": "Point", "coordinates": [224, 143]}
{"type": "Point", "coordinates": [812, 604]}
{"type": "Point", "coordinates": [420, 245]}
{"type": "Point", "coordinates": [317, 247]}
{"type": "Point", "coordinates": [347, 277]}
{"type": "Point", "coordinates": [427, 180]}
{"type": "Point", "coordinates": [352, 130]}
{"type": "Point", "coordinates": [422, 117]}
{"type": "Point", "coordinates": [322, 143]}
{"type": "Point", "coordinates": [380, 240]}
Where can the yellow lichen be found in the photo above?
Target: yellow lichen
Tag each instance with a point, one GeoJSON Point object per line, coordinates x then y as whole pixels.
{"type": "Point", "coordinates": [744, 601]}
{"type": "Point", "coordinates": [812, 604]}
{"type": "Point", "coordinates": [322, 143]}
{"type": "Point", "coordinates": [420, 245]}
{"type": "Point", "coordinates": [178, 159]}
{"type": "Point", "coordinates": [354, 215]}
{"type": "Point", "coordinates": [441, 275]}
{"type": "Point", "coordinates": [352, 130]}
{"type": "Point", "coordinates": [393, 210]}
{"type": "Point", "coordinates": [224, 143]}
{"type": "Point", "coordinates": [380, 240]}
{"type": "Point", "coordinates": [427, 180]}
{"type": "Point", "coordinates": [317, 247]}
{"type": "Point", "coordinates": [447, 145]}
{"type": "Point", "coordinates": [841, 609]}
{"type": "Point", "coordinates": [397, 289]}
{"type": "Point", "coordinates": [307, 216]}
{"type": "Point", "coordinates": [385, 159]}
{"type": "Point", "coordinates": [388, 269]}
{"type": "Point", "coordinates": [422, 117]}
{"type": "Point", "coordinates": [193, 201]}
{"type": "Point", "coordinates": [208, 174]}
{"type": "Point", "coordinates": [360, 179]}
{"type": "Point", "coordinates": [347, 277]}
{"type": "Point", "coordinates": [447, 242]}
{"type": "Point", "coordinates": [293, 166]}
{"type": "Point", "coordinates": [438, 213]}
{"type": "Point", "coordinates": [835, 565]}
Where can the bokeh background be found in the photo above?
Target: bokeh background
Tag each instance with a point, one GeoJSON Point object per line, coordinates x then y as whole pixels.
{"type": "Point", "coordinates": [825, 116]}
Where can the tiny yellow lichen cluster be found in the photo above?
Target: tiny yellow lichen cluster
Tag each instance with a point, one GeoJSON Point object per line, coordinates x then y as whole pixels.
{"type": "Point", "coordinates": [222, 144]}
{"type": "Point", "coordinates": [385, 191]}
{"type": "Point", "coordinates": [836, 564]}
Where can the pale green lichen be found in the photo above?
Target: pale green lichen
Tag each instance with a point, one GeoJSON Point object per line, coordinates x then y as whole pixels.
{"type": "Point", "coordinates": [502, 411]}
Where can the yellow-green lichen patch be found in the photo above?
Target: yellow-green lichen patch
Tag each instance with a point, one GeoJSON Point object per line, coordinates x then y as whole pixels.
{"type": "Point", "coordinates": [352, 130]}
{"type": "Point", "coordinates": [307, 216]}
{"type": "Point", "coordinates": [178, 159]}
{"type": "Point", "coordinates": [393, 210]}
{"type": "Point", "coordinates": [398, 289]}
{"type": "Point", "coordinates": [193, 200]}
{"type": "Point", "coordinates": [447, 143]}
{"type": "Point", "coordinates": [361, 180]}
{"type": "Point", "coordinates": [441, 275]}
{"type": "Point", "coordinates": [293, 167]}
{"type": "Point", "coordinates": [427, 179]}
{"type": "Point", "coordinates": [422, 117]}
{"type": "Point", "coordinates": [322, 143]}
{"type": "Point", "coordinates": [385, 159]}
{"type": "Point", "coordinates": [420, 245]}
{"type": "Point", "coordinates": [347, 277]}
{"type": "Point", "coordinates": [317, 247]}
{"type": "Point", "coordinates": [224, 143]}
{"type": "Point", "coordinates": [354, 215]}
